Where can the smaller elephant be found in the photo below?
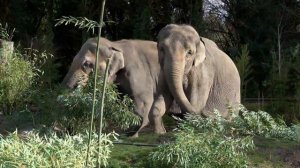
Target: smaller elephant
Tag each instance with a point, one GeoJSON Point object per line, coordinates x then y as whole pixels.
{"type": "Point", "coordinates": [134, 68]}
{"type": "Point", "coordinates": [199, 75]}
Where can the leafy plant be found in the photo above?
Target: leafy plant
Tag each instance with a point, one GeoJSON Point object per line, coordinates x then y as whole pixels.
{"type": "Point", "coordinates": [45, 66]}
{"type": "Point", "coordinates": [284, 86]}
{"type": "Point", "coordinates": [6, 33]}
{"type": "Point", "coordinates": [52, 151]}
{"type": "Point", "coordinates": [244, 67]}
{"type": "Point", "coordinates": [217, 142]}
{"type": "Point", "coordinates": [17, 75]}
{"type": "Point", "coordinates": [263, 124]}
{"type": "Point", "coordinates": [50, 111]}
{"type": "Point", "coordinates": [81, 22]}
{"type": "Point", "coordinates": [36, 57]}
{"type": "Point", "coordinates": [117, 111]}
{"type": "Point", "coordinates": [205, 142]}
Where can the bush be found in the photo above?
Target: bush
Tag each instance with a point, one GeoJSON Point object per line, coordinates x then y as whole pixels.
{"type": "Point", "coordinates": [5, 32]}
{"type": "Point", "coordinates": [117, 111]}
{"type": "Point", "coordinates": [217, 142]}
{"type": "Point", "coordinates": [263, 124]}
{"type": "Point", "coordinates": [44, 63]}
{"type": "Point", "coordinates": [17, 76]}
{"type": "Point", "coordinates": [205, 142]}
{"type": "Point", "coordinates": [44, 100]}
{"type": "Point", "coordinates": [72, 109]}
{"type": "Point", "coordinates": [52, 151]}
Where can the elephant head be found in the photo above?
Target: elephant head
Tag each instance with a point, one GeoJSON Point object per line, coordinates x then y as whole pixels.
{"type": "Point", "coordinates": [181, 49]}
{"type": "Point", "coordinates": [84, 62]}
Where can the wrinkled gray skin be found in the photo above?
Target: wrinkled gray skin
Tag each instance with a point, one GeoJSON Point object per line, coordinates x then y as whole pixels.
{"type": "Point", "coordinates": [199, 75]}
{"type": "Point", "coordinates": [135, 68]}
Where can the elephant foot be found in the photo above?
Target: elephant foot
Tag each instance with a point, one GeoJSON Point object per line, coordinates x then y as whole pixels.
{"type": "Point", "coordinates": [136, 135]}
{"type": "Point", "coordinates": [144, 124]}
{"type": "Point", "coordinates": [160, 130]}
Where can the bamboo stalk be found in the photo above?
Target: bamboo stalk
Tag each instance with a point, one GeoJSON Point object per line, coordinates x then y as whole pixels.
{"type": "Point", "coordinates": [95, 84]}
{"type": "Point", "coordinates": [103, 90]}
{"type": "Point", "coordinates": [101, 110]}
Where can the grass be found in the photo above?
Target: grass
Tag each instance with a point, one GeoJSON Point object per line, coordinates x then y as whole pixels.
{"type": "Point", "coordinates": [124, 156]}
{"type": "Point", "coordinates": [272, 152]}
{"type": "Point", "coordinates": [266, 154]}
{"type": "Point", "coordinates": [132, 156]}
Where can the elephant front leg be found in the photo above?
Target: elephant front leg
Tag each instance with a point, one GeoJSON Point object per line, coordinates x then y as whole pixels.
{"type": "Point", "coordinates": [142, 109]}
{"type": "Point", "coordinates": [159, 107]}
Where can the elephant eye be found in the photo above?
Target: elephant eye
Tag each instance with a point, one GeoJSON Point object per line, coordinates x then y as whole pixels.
{"type": "Point", "coordinates": [87, 66]}
{"type": "Point", "coordinates": [189, 53]}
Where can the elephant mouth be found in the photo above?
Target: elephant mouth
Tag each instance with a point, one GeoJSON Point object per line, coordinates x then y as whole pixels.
{"type": "Point", "coordinates": [83, 81]}
{"type": "Point", "coordinates": [75, 81]}
{"type": "Point", "coordinates": [185, 82]}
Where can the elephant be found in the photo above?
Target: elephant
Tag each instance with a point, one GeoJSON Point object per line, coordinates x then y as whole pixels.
{"type": "Point", "coordinates": [134, 68]}
{"type": "Point", "coordinates": [200, 76]}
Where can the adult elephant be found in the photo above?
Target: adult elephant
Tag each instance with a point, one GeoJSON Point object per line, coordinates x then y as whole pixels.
{"type": "Point", "coordinates": [199, 75]}
{"type": "Point", "coordinates": [134, 68]}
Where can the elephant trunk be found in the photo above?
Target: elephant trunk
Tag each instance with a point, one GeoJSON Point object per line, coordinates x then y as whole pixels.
{"type": "Point", "coordinates": [69, 81]}
{"type": "Point", "coordinates": [174, 71]}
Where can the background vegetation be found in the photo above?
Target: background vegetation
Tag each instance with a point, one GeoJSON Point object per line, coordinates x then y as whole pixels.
{"type": "Point", "coordinates": [52, 151]}
{"type": "Point", "coordinates": [262, 37]}
{"type": "Point", "coordinates": [269, 29]}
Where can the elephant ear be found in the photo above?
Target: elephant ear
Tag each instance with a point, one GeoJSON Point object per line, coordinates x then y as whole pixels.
{"type": "Point", "coordinates": [200, 53]}
{"type": "Point", "coordinates": [117, 61]}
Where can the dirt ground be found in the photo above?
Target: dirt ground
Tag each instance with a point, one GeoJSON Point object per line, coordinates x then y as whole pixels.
{"type": "Point", "coordinates": [290, 156]}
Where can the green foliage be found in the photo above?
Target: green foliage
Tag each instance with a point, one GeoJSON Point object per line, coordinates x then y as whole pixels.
{"type": "Point", "coordinates": [45, 66]}
{"type": "Point", "coordinates": [71, 109]}
{"type": "Point", "coordinates": [81, 22]}
{"type": "Point", "coordinates": [5, 32]}
{"type": "Point", "coordinates": [284, 86]}
{"type": "Point", "coordinates": [52, 151]}
{"type": "Point", "coordinates": [217, 142]}
{"type": "Point", "coordinates": [263, 124]}
{"type": "Point", "coordinates": [117, 111]}
{"type": "Point", "coordinates": [50, 111]}
{"type": "Point", "coordinates": [23, 76]}
{"type": "Point", "coordinates": [230, 22]}
{"type": "Point", "coordinates": [205, 142]}
{"type": "Point", "coordinates": [17, 75]}
{"type": "Point", "coordinates": [143, 25]}
{"type": "Point", "coordinates": [244, 67]}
